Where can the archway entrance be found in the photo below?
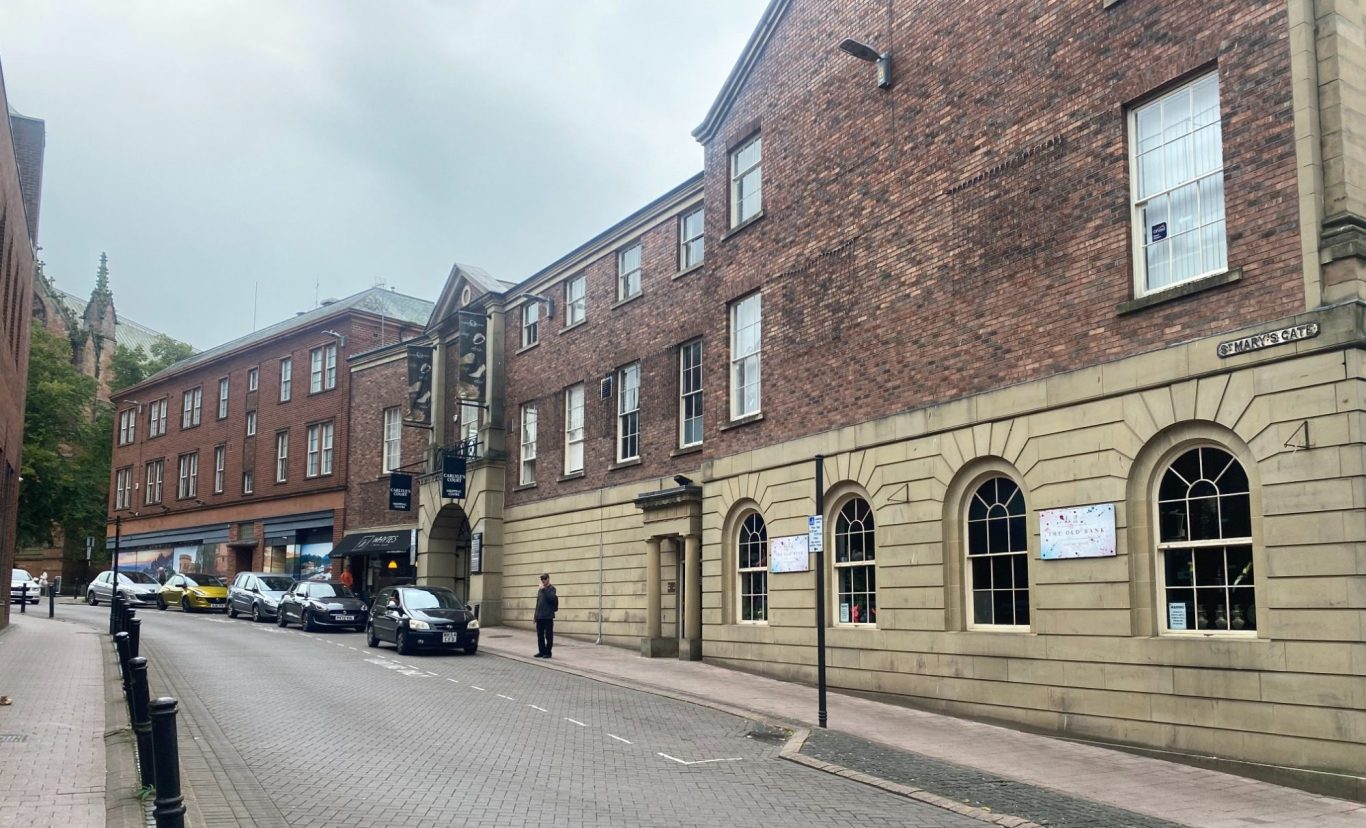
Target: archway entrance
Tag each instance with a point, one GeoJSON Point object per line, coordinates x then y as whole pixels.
{"type": "Point", "coordinates": [445, 558]}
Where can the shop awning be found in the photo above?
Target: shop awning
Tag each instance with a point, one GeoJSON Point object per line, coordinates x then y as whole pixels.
{"type": "Point", "coordinates": [372, 543]}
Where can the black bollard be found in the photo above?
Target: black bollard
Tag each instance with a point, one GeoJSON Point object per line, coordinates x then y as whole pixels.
{"type": "Point", "coordinates": [114, 613]}
{"type": "Point", "coordinates": [169, 806]}
{"type": "Point", "coordinates": [134, 637]}
{"type": "Point", "coordinates": [142, 724]}
{"type": "Point", "coordinates": [23, 599]}
{"type": "Point", "coordinates": [121, 645]}
{"type": "Point", "coordinates": [51, 602]}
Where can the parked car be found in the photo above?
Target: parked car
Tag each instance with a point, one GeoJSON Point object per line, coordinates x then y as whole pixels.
{"type": "Point", "coordinates": [257, 594]}
{"type": "Point", "coordinates": [316, 604]}
{"type": "Point", "coordinates": [18, 579]}
{"type": "Point", "coordinates": [424, 618]}
{"type": "Point", "coordinates": [194, 591]}
{"type": "Point", "coordinates": [137, 588]}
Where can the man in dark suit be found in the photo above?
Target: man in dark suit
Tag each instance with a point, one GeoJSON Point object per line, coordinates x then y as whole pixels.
{"type": "Point", "coordinates": [547, 602]}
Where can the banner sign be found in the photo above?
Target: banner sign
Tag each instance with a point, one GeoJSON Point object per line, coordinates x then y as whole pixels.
{"type": "Point", "coordinates": [1079, 532]}
{"type": "Point", "coordinates": [477, 552]}
{"type": "Point", "coordinates": [473, 337]}
{"type": "Point", "coordinates": [453, 477]}
{"type": "Point", "coordinates": [789, 554]}
{"type": "Point", "coordinates": [419, 384]}
{"type": "Point", "coordinates": [401, 492]}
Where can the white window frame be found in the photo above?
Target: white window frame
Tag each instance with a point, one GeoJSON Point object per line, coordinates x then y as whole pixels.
{"type": "Point", "coordinates": [248, 482]}
{"type": "Point", "coordinates": [531, 318]}
{"type": "Point", "coordinates": [471, 417]}
{"type": "Point", "coordinates": [690, 392]}
{"type": "Point", "coordinates": [988, 494]}
{"type": "Point", "coordinates": [318, 450]}
{"type": "Point", "coordinates": [315, 370]}
{"type": "Point", "coordinates": [128, 426]}
{"type": "Point", "coordinates": [192, 407]}
{"type": "Point", "coordinates": [628, 276]}
{"type": "Point", "coordinates": [123, 488]}
{"type": "Point", "coordinates": [251, 423]}
{"type": "Point", "coordinates": [223, 398]}
{"type": "Point", "coordinates": [628, 412]}
{"type": "Point", "coordinates": [751, 536]}
{"type": "Point", "coordinates": [282, 456]}
{"type": "Point", "coordinates": [188, 481]}
{"type": "Point", "coordinates": [575, 299]}
{"type": "Point", "coordinates": [392, 439]}
{"type": "Point", "coordinates": [746, 182]}
{"type": "Point", "coordinates": [745, 367]}
{"type": "Point", "coordinates": [330, 366]}
{"type": "Point", "coordinates": [156, 471]}
{"type": "Point", "coordinates": [156, 418]}
{"type": "Point", "coordinates": [1197, 183]}
{"type": "Point", "coordinates": [866, 526]}
{"type": "Point", "coordinates": [253, 379]}
{"type": "Point", "coordinates": [528, 452]}
{"type": "Point", "coordinates": [220, 466]}
{"type": "Point", "coordinates": [573, 429]}
{"type": "Point", "coordinates": [691, 243]}
{"type": "Point", "coordinates": [286, 378]}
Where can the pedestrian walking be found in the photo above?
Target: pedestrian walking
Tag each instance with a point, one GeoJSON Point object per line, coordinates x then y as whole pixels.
{"type": "Point", "coordinates": [347, 579]}
{"type": "Point", "coordinates": [547, 602]}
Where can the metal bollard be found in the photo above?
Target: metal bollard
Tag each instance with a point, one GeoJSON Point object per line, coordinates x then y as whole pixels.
{"type": "Point", "coordinates": [51, 602]}
{"type": "Point", "coordinates": [142, 723]}
{"type": "Point", "coordinates": [134, 637]}
{"type": "Point", "coordinates": [169, 806]}
{"type": "Point", "coordinates": [121, 645]}
{"type": "Point", "coordinates": [23, 599]}
{"type": "Point", "coordinates": [114, 613]}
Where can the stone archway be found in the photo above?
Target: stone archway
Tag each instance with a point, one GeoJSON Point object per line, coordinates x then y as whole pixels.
{"type": "Point", "coordinates": [444, 559]}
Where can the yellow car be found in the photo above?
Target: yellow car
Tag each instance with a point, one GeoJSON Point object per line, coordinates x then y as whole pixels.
{"type": "Point", "coordinates": [194, 591]}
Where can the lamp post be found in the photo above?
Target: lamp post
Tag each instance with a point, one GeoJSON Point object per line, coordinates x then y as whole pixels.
{"type": "Point", "coordinates": [821, 716]}
{"type": "Point", "coordinates": [113, 598]}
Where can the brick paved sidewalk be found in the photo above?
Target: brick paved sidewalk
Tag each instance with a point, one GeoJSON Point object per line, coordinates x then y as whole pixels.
{"type": "Point", "coordinates": [52, 751]}
{"type": "Point", "coordinates": [1163, 791]}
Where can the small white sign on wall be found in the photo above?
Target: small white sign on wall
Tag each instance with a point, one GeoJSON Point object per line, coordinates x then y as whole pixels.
{"type": "Point", "coordinates": [1077, 532]}
{"type": "Point", "coordinates": [790, 554]}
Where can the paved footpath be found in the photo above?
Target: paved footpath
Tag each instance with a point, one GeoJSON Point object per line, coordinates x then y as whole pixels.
{"type": "Point", "coordinates": [1035, 777]}
{"type": "Point", "coordinates": [52, 751]}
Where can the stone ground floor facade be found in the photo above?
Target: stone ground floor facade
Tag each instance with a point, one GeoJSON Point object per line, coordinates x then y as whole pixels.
{"type": "Point", "coordinates": [1230, 620]}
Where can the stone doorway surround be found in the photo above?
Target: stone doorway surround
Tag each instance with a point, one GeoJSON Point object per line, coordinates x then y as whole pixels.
{"type": "Point", "coordinates": [673, 516]}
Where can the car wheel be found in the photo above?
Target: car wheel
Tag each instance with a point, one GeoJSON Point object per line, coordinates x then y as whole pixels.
{"type": "Point", "coordinates": [401, 641]}
{"type": "Point", "coordinates": [370, 640]}
{"type": "Point", "coordinates": [280, 618]}
{"type": "Point", "coordinates": [161, 603]}
{"type": "Point", "coordinates": [184, 604]}
{"type": "Point", "coordinates": [361, 628]}
{"type": "Point", "coordinates": [232, 613]}
{"type": "Point", "coordinates": [91, 599]}
{"type": "Point", "coordinates": [472, 649]}
{"type": "Point", "coordinates": [305, 621]}
{"type": "Point", "coordinates": [256, 613]}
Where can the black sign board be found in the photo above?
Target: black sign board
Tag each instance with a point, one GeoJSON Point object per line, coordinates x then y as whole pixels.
{"type": "Point", "coordinates": [401, 492]}
{"type": "Point", "coordinates": [453, 477]}
{"type": "Point", "coordinates": [473, 365]}
{"type": "Point", "coordinates": [419, 384]}
{"type": "Point", "coordinates": [477, 553]}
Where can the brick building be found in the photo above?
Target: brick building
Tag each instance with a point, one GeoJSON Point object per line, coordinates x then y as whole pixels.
{"type": "Point", "coordinates": [1072, 308]}
{"type": "Point", "coordinates": [237, 457]}
{"type": "Point", "coordinates": [16, 295]}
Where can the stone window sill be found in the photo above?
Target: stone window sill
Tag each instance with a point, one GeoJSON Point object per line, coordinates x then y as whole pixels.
{"type": "Point", "coordinates": [624, 464]}
{"type": "Point", "coordinates": [688, 271]}
{"type": "Point", "coordinates": [680, 452]}
{"type": "Point", "coordinates": [743, 421]}
{"type": "Point", "coordinates": [1180, 291]}
{"type": "Point", "coordinates": [627, 300]}
{"type": "Point", "coordinates": [571, 476]}
{"type": "Point", "coordinates": [740, 228]}
{"type": "Point", "coordinates": [567, 328]}
{"type": "Point", "coordinates": [526, 348]}
{"type": "Point", "coordinates": [523, 487]}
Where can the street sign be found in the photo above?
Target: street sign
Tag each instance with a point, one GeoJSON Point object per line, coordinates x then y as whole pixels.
{"type": "Point", "coordinates": [815, 533]}
{"type": "Point", "coordinates": [89, 547]}
{"type": "Point", "coordinates": [401, 492]}
{"type": "Point", "coordinates": [453, 477]}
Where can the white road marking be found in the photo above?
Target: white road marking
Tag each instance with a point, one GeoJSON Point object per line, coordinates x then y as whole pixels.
{"type": "Point", "coordinates": [534, 707]}
{"type": "Point", "coordinates": [388, 665]}
{"type": "Point", "coordinates": [407, 672]}
{"type": "Point", "coordinates": [454, 681]}
{"type": "Point", "coordinates": [619, 739]}
{"type": "Point", "coordinates": [699, 761]}
{"type": "Point", "coordinates": [509, 698]}
{"type": "Point", "coordinates": [575, 721]}
{"type": "Point", "coordinates": [480, 689]}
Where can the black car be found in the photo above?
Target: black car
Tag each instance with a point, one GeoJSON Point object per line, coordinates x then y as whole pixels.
{"type": "Point", "coordinates": [257, 594]}
{"type": "Point", "coordinates": [422, 618]}
{"type": "Point", "coordinates": [315, 604]}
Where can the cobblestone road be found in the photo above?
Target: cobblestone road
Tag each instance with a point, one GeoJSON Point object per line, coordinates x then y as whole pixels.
{"type": "Point", "coordinates": [292, 729]}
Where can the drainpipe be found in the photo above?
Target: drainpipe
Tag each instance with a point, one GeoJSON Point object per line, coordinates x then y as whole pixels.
{"type": "Point", "coordinates": [600, 568]}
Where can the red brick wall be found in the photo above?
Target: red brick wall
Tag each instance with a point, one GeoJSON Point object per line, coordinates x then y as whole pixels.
{"type": "Point", "coordinates": [375, 387]}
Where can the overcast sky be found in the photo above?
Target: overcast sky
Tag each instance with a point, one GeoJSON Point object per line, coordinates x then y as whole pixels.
{"type": "Point", "coordinates": [317, 147]}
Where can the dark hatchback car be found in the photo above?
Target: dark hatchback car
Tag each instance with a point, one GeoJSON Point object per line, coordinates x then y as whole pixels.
{"type": "Point", "coordinates": [257, 594]}
{"type": "Point", "coordinates": [317, 604]}
{"type": "Point", "coordinates": [422, 618]}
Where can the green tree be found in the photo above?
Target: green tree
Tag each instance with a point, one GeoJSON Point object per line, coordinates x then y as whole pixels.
{"type": "Point", "coordinates": [129, 366]}
{"type": "Point", "coordinates": [67, 445]}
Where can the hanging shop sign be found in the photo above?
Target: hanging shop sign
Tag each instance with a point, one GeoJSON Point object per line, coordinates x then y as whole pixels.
{"type": "Point", "coordinates": [1077, 532]}
{"type": "Point", "coordinates": [401, 492]}
{"type": "Point", "coordinates": [1269, 339]}
{"type": "Point", "coordinates": [419, 384]}
{"type": "Point", "coordinates": [790, 554]}
{"type": "Point", "coordinates": [453, 477]}
{"type": "Point", "coordinates": [473, 341]}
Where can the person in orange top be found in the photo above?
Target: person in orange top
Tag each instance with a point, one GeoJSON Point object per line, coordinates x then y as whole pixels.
{"type": "Point", "coordinates": [347, 579]}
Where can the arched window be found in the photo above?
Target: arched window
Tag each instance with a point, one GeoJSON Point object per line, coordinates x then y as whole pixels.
{"type": "Point", "coordinates": [855, 564]}
{"type": "Point", "coordinates": [753, 569]}
{"type": "Point", "coordinates": [1204, 519]}
{"type": "Point", "coordinates": [998, 555]}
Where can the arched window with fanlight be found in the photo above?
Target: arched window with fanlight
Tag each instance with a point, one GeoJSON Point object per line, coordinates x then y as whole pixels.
{"type": "Point", "coordinates": [1204, 527]}
{"type": "Point", "coordinates": [998, 555]}
{"type": "Point", "coordinates": [855, 564]}
{"type": "Point", "coordinates": [752, 566]}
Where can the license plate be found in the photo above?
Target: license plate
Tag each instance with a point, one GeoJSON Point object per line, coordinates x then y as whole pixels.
{"type": "Point", "coordinates": [450, 638]}
{"type": "Point", "coordinates": [345, 617]}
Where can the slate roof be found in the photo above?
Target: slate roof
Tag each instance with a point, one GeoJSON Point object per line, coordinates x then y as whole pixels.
{"type": "Point", "coordinates": [127, 333]}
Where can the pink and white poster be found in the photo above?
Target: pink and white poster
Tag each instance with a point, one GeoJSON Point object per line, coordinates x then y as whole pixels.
{"type": "Point", "coordinates": [1077, 532]}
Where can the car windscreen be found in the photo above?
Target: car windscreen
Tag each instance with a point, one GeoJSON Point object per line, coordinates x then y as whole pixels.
{"type": "Point", "coordinates": [20, 575]}
{"type": "Point", "coordinates": [203, 580]}
{"type": "Point", "coordinates": [421, 599]}
{"type": "Point", "coordinates": [329, 591]}
{"type": "Point", "coordinates": [136, 578]}
{"type": "Point", "coordinates": [277, 583]}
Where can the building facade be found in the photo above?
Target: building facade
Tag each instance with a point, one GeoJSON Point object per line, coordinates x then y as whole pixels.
{"type": "Point", "coordinates": [237, 457]}
{"type": "Point", "coordinates": [17, 248]}
{"type": "Point", "coordinates": [1073, 321]}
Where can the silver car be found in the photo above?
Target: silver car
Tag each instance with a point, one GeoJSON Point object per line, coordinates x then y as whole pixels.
{"type": "Point", "coordinates": [137, 588]}
{"type": "Point", "coordinates": [18, 580]}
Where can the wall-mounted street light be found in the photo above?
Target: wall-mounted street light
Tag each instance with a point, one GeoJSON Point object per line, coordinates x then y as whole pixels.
{"type": "Point", "coordinates": [866, 53]}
